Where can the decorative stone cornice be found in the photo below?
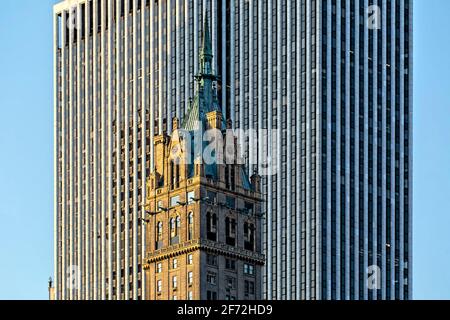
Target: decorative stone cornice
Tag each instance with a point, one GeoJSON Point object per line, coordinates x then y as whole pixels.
{"type": "Point", "coordinates": [206, 246]}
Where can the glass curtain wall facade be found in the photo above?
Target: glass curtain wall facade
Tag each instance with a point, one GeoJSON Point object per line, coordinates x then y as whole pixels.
{"type": "Point", "coordinates": [335, 76]}
{"type": "Point", "coordinates": [122, 67]}
{"type": "Point", "coordinates": [340, 90]}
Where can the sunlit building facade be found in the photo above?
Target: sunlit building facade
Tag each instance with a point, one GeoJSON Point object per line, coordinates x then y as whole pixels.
{"type": "Point", "coordinates": [333, 80]}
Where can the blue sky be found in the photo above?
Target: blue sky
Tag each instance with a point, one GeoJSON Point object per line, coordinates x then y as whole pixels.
{"type": "Point", "coordinates": [26, 144]}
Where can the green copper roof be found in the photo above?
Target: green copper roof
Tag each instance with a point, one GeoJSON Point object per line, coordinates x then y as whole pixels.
{"type": "Point", "coordinates": [205, 100]}
{"type": "Point", "coordinates": [206, 52]}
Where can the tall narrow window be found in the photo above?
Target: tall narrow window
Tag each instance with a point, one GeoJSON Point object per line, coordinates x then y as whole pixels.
{"type": "Point", "coordinates": [211, 225]}
{"type": "Point", "coordinates": [230, 177]}
{"type": "Point", "coordinates": [159, 235]}
{"type": "Point", "coordinates": [175, 282]}
{"type": "Point", "coordinates": [172, 227]}
{"type": "Point", "coordinates": [178, 225]}
{"type": "Point", "coordinates": [175, 225]}
{"type": "Point", "coordinates": [190, 225]}
{"type": "Point", "coordinates": [172, 174]}
{"type": "Point", "coordinates": [249, 236]}
{"type": "Point", "coordinates": [230, 231]}
{"type": "Point", "coordinates": [159, 286]}
{"type": "Point", "coordinates": [177, 176]}
{"type": "Point", "coordinates": [233, 178]}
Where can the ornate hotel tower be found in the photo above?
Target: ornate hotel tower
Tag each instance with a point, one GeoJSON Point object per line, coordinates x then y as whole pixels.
{"type": "Point", "coordinates": [203, 224]}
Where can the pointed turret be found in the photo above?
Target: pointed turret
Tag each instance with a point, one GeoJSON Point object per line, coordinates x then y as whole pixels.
{"type": "Point", "coordinates": [205, 100]}
{"type": "Point", "coordinates": [206, 54]}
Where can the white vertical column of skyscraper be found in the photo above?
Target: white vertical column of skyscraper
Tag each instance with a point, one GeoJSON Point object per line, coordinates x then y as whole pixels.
{"type": "Point", "coordinates": [79, 197]}
{"type": "Point", "coordinates": [366, 146]}
{"type": "Point", "coordinates": [240, 106]}
{"type": "Point", "coordinates": [279, 112]}
{"type": "Point", "coordinates": [308, 149]}
{"type": "Point", "coordinates": [57, 150]}
{"type": "Point", "coordinates": [224, 59]}
{"type": "Point", "coordinates": [169, 55]}
{"type": "Point", "coordinates": [187, 44]}
{"type": "Point", "coordinates": [178, 54]}
{"type": "Point", "coordinates": [317, 258]}
{"type": "Point", "coordinates": [338, 148]}
{"type": "Point", "coordinates": [152, 67]}
{"type": "Point", "coordinates": [95, 112]}
{"type": "Point", "coordinates": [232, 75]}
{"type": "Point", "coordinates": [145, 108]}
{"type": "Point", "coordinates": [136, 204]}
{"type": "Point", "coordinates": [119, 108]}
{"type": "Point", "coordinates": [103, 146]}
{"type": "Point", "coordinates": [384, 147]}
{"type": "Point", "coordinates": [127, 116]}
{"type": "Point", "coordinates": [110, 147]}
{"type": "Point", "coordinates": [87, 175]}
{"type": "Point", "coordinates": [410, 145]}
{"type": "Point", "coordinates": [329, 147]}
{"type": "Point", "coordinates": [298, 146]}
{"type": "Point", "coordinates": [289, 152]}
{"type": "Point", "coordinates": [356, 243]}
{"type": "Point", "coordinates": [63, 172]}
{"type": "Point", "coordinates": [269, 214]}
{"type": "Point", "coordinates": [401, 263]}
{"type": "Point", "coordinates": [251, 91]}
{"type": "Point", "coordinates": [391, 72]}
{"type": "Point", "coordinates": [215, 40]}
{"type": "Point", "coordinates": [161, 99]}
{"type": "Point", "coordinates": [374, 249]}
{"type": "Point", "coordinates": [347, 152]}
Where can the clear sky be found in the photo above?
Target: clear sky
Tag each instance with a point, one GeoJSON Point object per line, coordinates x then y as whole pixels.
{"type": "Point", "coordinates": [26, 144]}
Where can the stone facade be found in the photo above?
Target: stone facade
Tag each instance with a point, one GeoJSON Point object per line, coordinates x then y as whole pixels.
{"type": "Point", "coordinates": [203, 225]}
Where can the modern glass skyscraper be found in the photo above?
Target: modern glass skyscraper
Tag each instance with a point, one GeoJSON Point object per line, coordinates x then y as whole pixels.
{"type": "Point", "coordinates": [122, 67]}
{"type": "Point", "coordinates": [333, 77]}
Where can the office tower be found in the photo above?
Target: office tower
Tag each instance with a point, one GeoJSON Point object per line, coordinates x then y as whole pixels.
{"type": "Point", "coordinates": [203, 223]}
{"type": "Point", "coordinates": [121, 68]}
{"type": "Point", "coordinates": [336, 81]}
{"type": "Point", "coordinates": [334, 77]}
